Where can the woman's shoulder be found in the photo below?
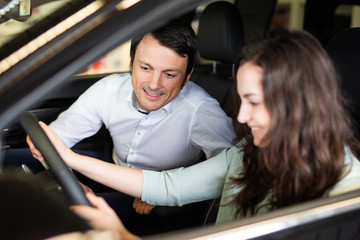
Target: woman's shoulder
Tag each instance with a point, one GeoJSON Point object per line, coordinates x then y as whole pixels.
{"type": "Point", "coordinates": [234, 154]}
{"type": "Point", "coordinates": [351, 178]}
{"type": "Point", "coordinates": [234, 158]}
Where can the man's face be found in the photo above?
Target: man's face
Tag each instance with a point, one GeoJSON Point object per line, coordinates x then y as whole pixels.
{"type": "Point", "coordinates": [158, 74]}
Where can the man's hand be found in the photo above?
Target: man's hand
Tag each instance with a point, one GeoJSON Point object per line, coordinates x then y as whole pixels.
{"type": "Point", "coordinates": [142, 207]}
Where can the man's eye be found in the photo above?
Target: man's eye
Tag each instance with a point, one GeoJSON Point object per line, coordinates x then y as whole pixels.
{"type": "Point", "coordinates": [144, 68]}
{"type": "Point", "coordinates": [169, 75]}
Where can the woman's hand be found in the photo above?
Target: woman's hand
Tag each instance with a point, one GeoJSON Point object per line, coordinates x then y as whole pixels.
{"type": "Point", "coordinates": [101, 216]}
{"type": "Point", "coordinates": [34, 151]}
{"type": "Point", "coordinates": [65, 153]}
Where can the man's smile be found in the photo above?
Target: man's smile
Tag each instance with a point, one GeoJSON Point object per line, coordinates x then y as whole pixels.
{"type": "Point", "coordinates": [153, 93]}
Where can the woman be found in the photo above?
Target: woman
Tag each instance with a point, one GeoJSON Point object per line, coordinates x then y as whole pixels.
{"type": "Point", "coordinates": [295, 141]}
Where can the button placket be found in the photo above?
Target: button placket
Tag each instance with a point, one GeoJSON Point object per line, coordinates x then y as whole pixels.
{"type": "Point", "coordinates": [139, 132]}
{"type": "Point", "coordinates": [144, 126]}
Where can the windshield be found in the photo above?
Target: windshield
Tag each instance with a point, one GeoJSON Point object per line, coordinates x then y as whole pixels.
{"type": "Point", "coordinates": [23, 20]}
{"type": "Point", "coordinates": [18, 17]}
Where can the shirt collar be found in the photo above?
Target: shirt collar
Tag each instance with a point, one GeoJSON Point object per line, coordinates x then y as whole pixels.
{"type": "Point", "coordinates": [176, 101]}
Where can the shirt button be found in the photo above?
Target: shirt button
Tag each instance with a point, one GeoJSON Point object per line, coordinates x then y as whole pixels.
{"type": "Point", "coordinates": [138, 133]}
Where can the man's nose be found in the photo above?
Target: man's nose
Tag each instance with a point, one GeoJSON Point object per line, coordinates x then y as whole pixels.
{"type": "Point", "coordinates": [155, 81]}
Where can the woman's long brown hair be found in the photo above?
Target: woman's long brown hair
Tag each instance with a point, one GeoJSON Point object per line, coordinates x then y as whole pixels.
{"type": "Point", "coordinates": [304, 154]}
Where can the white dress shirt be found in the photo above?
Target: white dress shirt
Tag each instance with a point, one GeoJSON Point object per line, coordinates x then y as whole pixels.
{"type": "Point", "coordinates": [170, 137]}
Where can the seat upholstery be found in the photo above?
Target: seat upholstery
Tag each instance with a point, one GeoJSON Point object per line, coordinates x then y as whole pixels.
{"type": "Point", "coordinates": [321, 23]}
{"type": "Point", "coordinates": [344, 49]}
{"type": "Point", "coordinates": [220, 33]}
{"type": "Point", "coordinates": [220, 39]}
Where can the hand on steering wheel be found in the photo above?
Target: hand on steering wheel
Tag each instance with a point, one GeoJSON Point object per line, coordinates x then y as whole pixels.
{"type": "Point", "coordinates": [56, 164]}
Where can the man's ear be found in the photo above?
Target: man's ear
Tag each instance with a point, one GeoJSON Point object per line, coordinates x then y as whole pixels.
{"type": "Point", "coordinates": [188, 77]}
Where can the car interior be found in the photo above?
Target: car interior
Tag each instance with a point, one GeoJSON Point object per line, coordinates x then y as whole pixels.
{"type": "Point", "coordinates": [344, 50]}
{"type": "Point", "coordinates": [329, 218]}
{"type": "Point", "coordinates": [224, 27]}
{"type": "Point", "coordinates": [220, 38]}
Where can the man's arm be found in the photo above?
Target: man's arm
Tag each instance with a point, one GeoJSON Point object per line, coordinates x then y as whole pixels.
{"type": "Point", "coordinates": [212, 130]}
{"type": "Point", "coordinates": [82, 119]}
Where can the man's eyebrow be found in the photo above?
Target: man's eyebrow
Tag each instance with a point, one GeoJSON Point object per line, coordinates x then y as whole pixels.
{"type": "Point", "coordinates": [172, 70]}
{"type": "Point", "coordinates": [144, 63]}
{"type": "Point", "coordinates": [166, 70]}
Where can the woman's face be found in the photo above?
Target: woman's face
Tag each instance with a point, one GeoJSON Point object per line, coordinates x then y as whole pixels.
{"type": "Point", "coordinates": [252, 110]}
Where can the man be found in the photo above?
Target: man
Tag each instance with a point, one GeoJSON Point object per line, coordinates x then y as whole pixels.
{"type": "Point", "coordinates": [157, 119]}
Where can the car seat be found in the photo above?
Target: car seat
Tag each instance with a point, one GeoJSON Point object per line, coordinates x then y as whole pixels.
{"type": "Point", "coordinates": [344, 49]}
{"type": "Point", "coordinates": [220, 39]}
{"type": "Point", "coordinates": [320, 19]}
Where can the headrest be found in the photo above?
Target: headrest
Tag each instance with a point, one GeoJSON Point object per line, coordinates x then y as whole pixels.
{"type": "Point", "coordinates": [220, 32]}
{"type": "Point", "coordinates": [344, 49]}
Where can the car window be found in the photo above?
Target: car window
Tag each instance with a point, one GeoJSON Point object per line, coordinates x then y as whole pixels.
{"type": "Point", "coordinates": [17, 17]}
{"type": "Point", "coordinates": [118, 60]}
{"type": "Point", "coordinates": [22, 21]}
{"type": "Point", "coordinates": [290, 14]}
{"type": "Point", "coordinates": [347, 16]}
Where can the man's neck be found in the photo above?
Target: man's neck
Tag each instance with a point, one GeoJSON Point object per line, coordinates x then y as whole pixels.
{"type": "Point", "coordinates": [140, 110]}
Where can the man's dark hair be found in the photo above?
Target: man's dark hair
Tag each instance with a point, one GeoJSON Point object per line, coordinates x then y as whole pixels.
{"type": "Point", "coordinates": [177, 35]}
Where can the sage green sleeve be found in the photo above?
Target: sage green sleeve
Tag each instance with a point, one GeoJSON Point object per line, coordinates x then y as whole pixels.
{"type": "Point", "coordinates": [180, 186]}
{"type": "Point", "coordinates": [351, 179]}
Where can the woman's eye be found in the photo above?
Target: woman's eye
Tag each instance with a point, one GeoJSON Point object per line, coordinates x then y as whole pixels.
{"type": "Point", "coordinates": [253, 103]}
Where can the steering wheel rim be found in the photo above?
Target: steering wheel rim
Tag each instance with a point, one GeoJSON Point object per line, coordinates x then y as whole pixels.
{"type": "Point", "coordinates": [57, 166]}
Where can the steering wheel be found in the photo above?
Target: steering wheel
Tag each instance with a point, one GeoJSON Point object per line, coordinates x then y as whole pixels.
{"type": "Point", "coordinates": [61, 172]}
